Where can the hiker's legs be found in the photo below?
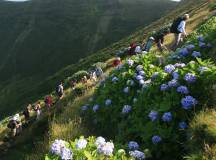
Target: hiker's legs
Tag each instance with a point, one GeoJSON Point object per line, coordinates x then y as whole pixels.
{"type": "Point", "coordinates": [160, 47]}
{"type": "Point", "coordinates": [178, 39]}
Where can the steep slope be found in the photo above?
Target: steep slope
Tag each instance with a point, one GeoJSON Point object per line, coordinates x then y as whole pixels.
{"type": "Point", "coordinates": [43, 36]}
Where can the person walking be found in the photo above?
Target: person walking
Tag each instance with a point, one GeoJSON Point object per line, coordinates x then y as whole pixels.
{"type": "Point", "coordinates": [37, 109]}
{"type": "Point", "coordinates": [179, 29]}
{"type": "Point", "coordinates": [60, 90]}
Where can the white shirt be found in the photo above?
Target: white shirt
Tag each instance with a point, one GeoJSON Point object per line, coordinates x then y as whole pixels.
{"type": "Point", "coordinates": [181, 27]}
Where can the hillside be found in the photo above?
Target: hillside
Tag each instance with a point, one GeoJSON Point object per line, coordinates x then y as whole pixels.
{"type": "Point", "coordinates": [72, 122]}
{"type": "Point", "coordinates": [44, 36]}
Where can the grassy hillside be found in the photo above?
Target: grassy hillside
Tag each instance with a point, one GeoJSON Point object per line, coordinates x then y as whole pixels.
{"type": "Point", "coordinates": [43, 36]}
{"type": "Point", "coordinates": [72, 122]}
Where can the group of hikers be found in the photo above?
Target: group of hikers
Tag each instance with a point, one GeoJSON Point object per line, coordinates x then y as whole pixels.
{"type": "Point", "coordinates": [177, 27]}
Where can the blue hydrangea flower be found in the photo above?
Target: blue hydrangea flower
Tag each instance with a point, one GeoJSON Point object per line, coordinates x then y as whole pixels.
{"type": "Point", "coordinates": [200, 38]}
{"type": "Point", "coordinates": [203, 68]}
{"type": "Point", "coordinates": [169, 68]}
{"type": "Point", "coordinates": [183, 125]}
{"type": "Point", "coordinates": [156, 139]}
{"type": "Point", "coordinates": [154, 75]}
{"type": "Point", "coordinates": [182, 90]}
{"type": "Point", "coordinates": [115, 79]}
{"type": "Point", "coordinates": [179, 65]}
{"type": "Point", "coordinates": [132, 145]}
{"type": "Point", "coordinates": [173, 83]}
{"type": "Point", "coordinates": [196, 54]}
{"type": "Point", "coordinates": [153, 115]}
{"type": "Point", "coordinates": [57, 146]}
{"type": "Point", "coordinates": [132, 83]}
{"type": "Point", "coordinates": [139, 77]}
{"type": "Point", "coordinates": [190, 77]}
{"type": "Point", "coordinates": [139, 68]}
{"type": "Point", "coordinates": [130, 62]}
{"type": "Point", "coordinates": [81, 144]}
{"type": "Point", "coordinates": [106, 149]}
{"type": "Point", "coordinates": [142, 73]}
{"type": "Point", "coordinates": [164, 87]}
{"type": "Point", "coordinates": [190, 47]}
{"type": "Point", "coordinates": [183, 52]}
{"type": "Point", "coordinates": [95, 107]}
{"type": "Point", "coordinates": [84, 108]}
{"type": "Point", "coordinates": [100, 141]}
{"type": "Point", "coordinates": [126, 90]}
{"type": "Point", "coordinates": [167, 117]}
{"type": "Point", "coordinates": [141, 82]}
{"type": "Point", "coordinates": [202, 45]}
{"type": "Point", "coordinates": [126, 109]}
{"type": "Point", "coordinates": [108, 102]}
{"type": "Point", "coordinates": [66, 154]}
{"type": "Point", "coordinates": [137, 154]}
{"type": "Point", "coordinates": [175, 75]}
{"type": "Point", "coordinates": [188, 102]}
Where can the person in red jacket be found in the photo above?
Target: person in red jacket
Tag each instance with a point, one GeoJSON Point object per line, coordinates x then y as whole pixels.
{"type": "Point", "coordinates": [48, 102]}
{"type": "Point", "coordinates": [116, 62]}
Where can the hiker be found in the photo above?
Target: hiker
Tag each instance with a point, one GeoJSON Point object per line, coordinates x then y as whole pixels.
{"type": "Point", "coordinates": [37, 109]}
{"type": "Point", "coordinates": [99, 72]}
{"type": "Point", "coordinates": [178, 28]}
{"type": "Point", "coordinates": [15, 125]}
{"type": "Point", "coordinates": [157, 38]}
{"type": "Point", "coordinates": [132, 49]}
{"type": "Point", "coordinates": [72, 84]}
{"type": "Point", "coordinates": [84, 80]}
{"type": "Point", "coordinates": [48, 102]}
{"type": "Point", "coordinates": [116, 62]}
{"type": "Point", "coordinates": [60, 90]}
{"type": "Point", "coordinates": [93, 76]}
{"type": "Point", "coordinates": [27, 112]}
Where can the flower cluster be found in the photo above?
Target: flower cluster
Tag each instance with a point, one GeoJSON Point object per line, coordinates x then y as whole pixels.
{"type": "Point", "coordinates": [164, 87]}
{"type": "Point", "coordinates": [153, 115]}
{"type": "Point", "coordinates": [167, 117]}
{"type": "Point", "coordinates": [108, 102]}
{"type": "Point", "coordinates": [132, 145]}
{"type": "Point", "coordinates": [137, 154]}
{"type": "Point", "coordinates": [173, 83]}
{"type": "Point", "coordinates": [190, 77]}
{"type": "Point", "coordinates": [182, 90]}
{"type": "Point", "coordinates": [106, 149]}
{"type": "Point", "coordinates": [81, 144]}
{"type": "Point", "coordinates": [130, 62]}
{"type": "Point", "coordinates": [188, 102]}
{"type": "Point", "coordinates": [196, 54]}
{"type": "Point", "coordinates": [183, 52]}
{"type": "Point", "coordinates": [95, 108]}
{"type": "Point", "coordinates": [183, 125]}
{"type": "Point", "coordinates": [156, 139]}
{"type": "Point", "coordinates": [126, 109]}
{"type": "Point", "coordinates": [84, 108]}
{"type": "Point", "coordinates": [115, 79]}
{"type": "Point", "coordinates": [169, 68]}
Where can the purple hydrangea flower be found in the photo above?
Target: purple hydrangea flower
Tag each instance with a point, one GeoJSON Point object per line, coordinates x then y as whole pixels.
{"type": "Point", "coordinates": [95, 107]}
{"type": "Point", "coordinates": [141, 82]}
{"type": "Point", "coordinates": [132, 145]}
{"type": "Point", "coordinates": [156, 139]}
{"type": "Point", "coordinates": [183, 52]}
{"type": "Point", "coordinates": [66, 154]}
{"type": "Point", "coordinates": [142, 73]}
{"type": "Point", "coordinates": [115, 79]}
{"type": "Point", "coordinates": [108, 102]}
{"type": "Point", "coordinates": [139, 68]}
{"type": "Point", "coordinates": [164, 87]}
{"type": "Point", "coordinates": [100, 141]}
{"type": "Point", "coordinates": [106, 149]}
{"type": "Point", "coordinates": [175, 75]}
{"type": "Point", "coordinates": [182, 90]}
{"type": "Point", "coordinates": [190, 77]}
{"type": "Point", "coordinates": [154, 75]}
{"type": "Point", "coordinates": [188, 102]}
{"type": "Point", "coordinates": [137, 154]}
{"type": "Point", "coordinates": [196, 54]}
{"type": "Point", "coordinates": [203, 68]}
{"type": "Point", "coordinates": [173, 83]}
{"type": "Point", "coordinates": [153, 115]}
{"type": "Point", "coordinates": [183, 125]}
{"type": "Point", "coordinates": [126, 90]}
{"type": "Point", "coordinates": [84, 108]}
{"type": "Point", "coordinates": [81, 144]}
{"type": "Point", "coordinates": [190, 47]}
{"type": "Point", "coordinates": [139, 77]}
{"type": "Point", "coordinates": [169, 68]}
{"type": "Point", "coordinates": [130, 62]}
{"type": "Point", "coordinates": [126, 109]}
{"type": "Point", "coordinates": [57, 146]}
{"type": "Point", "coordinates": [202, 45]}
{"type": "Point", "coordinates": [200, 38]}
{"type": "Point", "coordinates": [167, 117]}
{"type": "Point", "coordinates": [179, 65]}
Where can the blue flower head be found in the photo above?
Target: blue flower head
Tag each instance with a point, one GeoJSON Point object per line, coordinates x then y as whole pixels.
{"type": "Point", "coordinates": [190, 47]}
{"type": "Point", "coordinates": [188, 102]}
{"type": "Point", "coordinates": [100, 141]}
{"type": "Point", "coordinates": [96, 107]}
{"type": "Point", "coordinates": [126, 109]}
{"type": "Point", "coordinates": [190, 77]}
{"type": "Point", "coordinates": [169, 68]}
{"type": "Point", "coordinates": [164, 87]}
{"type": "Point", "coordinates": [156, 139]}
{"type": "Point", "coordinates": [167, 117]}
{"type": "Point", "coordinates": [175, 75]}
{"type": "Point", "coordinates": [179, 65]}
{"type": "Point", "coordinates": [106, 149]}
{"type": "Point", "coordinates": [139, 68]}
{"type": "Point", "coordinates": [183, 125]}
{"type": "Point", "coordinates": [182, 90]}
{"type": "Point", "coordinates": [108, 102]}
{"type": "Point", "coordinates": [173, 83]}
{"type": "Point", "coordinates": [153, 115]}
{"type": "Point", "coordinates": [132, 145]}
{"type": "Point", "coordinates": [126, 90]}
{"type": "Point", "coordinates": [142, 73]}
{"type": "Point", "coordinates": [203, 68]}
{"type": "Point", "coordinates": [66, 153]}
{"type": "Point", "coordinates": [84, 108]}
{"type": "Point", "coordinates": [137, 154]}
{"type": "Point", "coordinates": [139, 77]}
{"type": "Point", "coordinates": [141, 82]}
{"type": "Point", "coordinates": [183, 52]}
{"type": "Point", "coordinates": [81, 144]}
{"type": "Point", "coordinates": [200, 38]}
{"type": "Point", "coordinates": [196, 54]}
{"type": "Point", "coordinates": [115, 79]}
{"type": "Point", "coordinates": [202, 45]}
{"type": "Point", "coordinates": [130, 62]}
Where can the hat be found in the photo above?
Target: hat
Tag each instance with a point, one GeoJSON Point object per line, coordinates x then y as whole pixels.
{"type": "Point", "coordinates": [152, 38]}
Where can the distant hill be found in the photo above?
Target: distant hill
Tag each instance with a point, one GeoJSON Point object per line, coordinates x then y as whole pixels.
{"type": "Point", "coordinates": [40, 37]}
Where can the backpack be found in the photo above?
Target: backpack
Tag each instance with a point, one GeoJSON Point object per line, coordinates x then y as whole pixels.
{"type": "Point", "coordinates": [11, 124]}
{"type": "Point", "coordinates": [175, 24]}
